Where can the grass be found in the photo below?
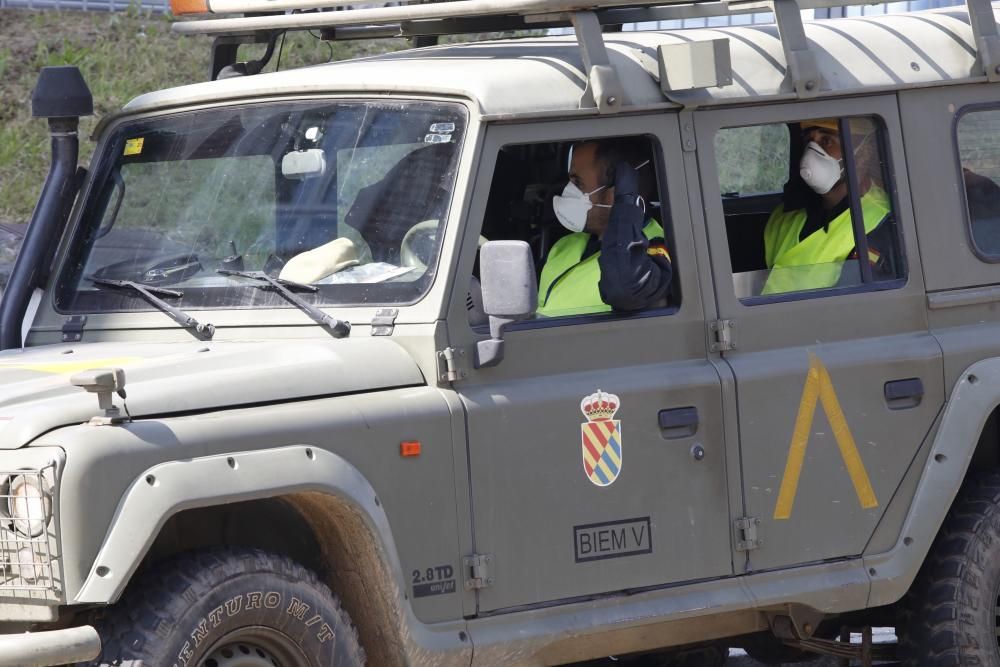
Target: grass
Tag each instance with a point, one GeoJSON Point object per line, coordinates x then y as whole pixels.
{"type": "Point", "coordinates": [121, 55]}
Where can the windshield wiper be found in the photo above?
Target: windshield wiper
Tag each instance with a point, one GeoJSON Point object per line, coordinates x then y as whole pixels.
{"type": "Point", "coordinates": [148, 294]}
{"type": "Point", "coordinates": [339, 328]}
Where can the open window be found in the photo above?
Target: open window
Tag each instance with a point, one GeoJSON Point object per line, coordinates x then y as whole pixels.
{"type": "Point", "coordinates": [808, 208]}
{"type": "Point", "coordinates": [527, 179]}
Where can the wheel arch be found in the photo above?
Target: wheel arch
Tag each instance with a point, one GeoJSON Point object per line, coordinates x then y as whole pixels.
{"type": "Point", "coordinates": [306, 503]}
{"type": "Point", "coordinates": [967, 440]}
{"type": "Point", "coordinates": [987, 453]}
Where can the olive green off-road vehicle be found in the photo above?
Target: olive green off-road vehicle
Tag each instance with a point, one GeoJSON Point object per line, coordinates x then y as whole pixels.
{"type": "Point", "coordinates": [276, 389]}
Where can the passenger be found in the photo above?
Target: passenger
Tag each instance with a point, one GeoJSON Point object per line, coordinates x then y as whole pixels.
{"type": "Point", "coordinates": [616, 258]}
{"type": "Point", "coordinates": [806, 248]}
{"type": "Point", "coordinates": [983, 196]}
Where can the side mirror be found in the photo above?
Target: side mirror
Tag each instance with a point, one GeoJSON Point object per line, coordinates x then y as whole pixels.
{"type": "Point", "coordinates": [510, 293]}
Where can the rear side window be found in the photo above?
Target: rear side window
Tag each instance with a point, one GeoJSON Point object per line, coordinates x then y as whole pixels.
{"type": "Point", "coordinates": [979, 151]}
{"type": "Point", "coordinates": [791, 192]}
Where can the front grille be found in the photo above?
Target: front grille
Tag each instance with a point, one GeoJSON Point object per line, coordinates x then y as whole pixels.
{"type": "Point", "coordinates": [29, 556]}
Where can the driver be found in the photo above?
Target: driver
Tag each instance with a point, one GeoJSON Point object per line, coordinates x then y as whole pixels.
{"type": "Point", "coordinates": [616, 257]}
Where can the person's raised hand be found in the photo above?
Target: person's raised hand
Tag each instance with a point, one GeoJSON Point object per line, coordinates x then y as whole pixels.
{"type": "Point", "coordinates": [626, 181]}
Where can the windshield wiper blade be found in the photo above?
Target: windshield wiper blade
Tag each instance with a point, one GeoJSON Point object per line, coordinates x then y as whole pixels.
{"type": "Point", "coordinates": [339, 328]}
{"type": "Point", "coordinates": [148, 294]}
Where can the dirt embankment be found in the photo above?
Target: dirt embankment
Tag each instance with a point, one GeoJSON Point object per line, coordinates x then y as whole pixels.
{"type": "Point", "coordinates": [121, 55]}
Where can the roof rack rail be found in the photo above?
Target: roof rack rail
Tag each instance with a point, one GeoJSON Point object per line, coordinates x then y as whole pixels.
{"type": "Point", "coordinates": [341, 20]}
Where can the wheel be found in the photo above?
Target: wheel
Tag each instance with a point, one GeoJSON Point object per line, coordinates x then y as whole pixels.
{"type": "Point", "coordinates": [951, 615]}
{"type": "Point", "coordinates": [228, 608]}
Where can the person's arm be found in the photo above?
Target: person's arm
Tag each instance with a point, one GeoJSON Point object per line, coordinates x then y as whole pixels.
{"type": "Point", "coordinates": [634, 273]}
{"type": "Point", "coordinates": [880, 250]}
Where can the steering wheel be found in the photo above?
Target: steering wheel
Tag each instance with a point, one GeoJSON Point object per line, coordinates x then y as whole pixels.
{"type": "Point", "coordinates": [420, 242]}
{"type": "Point", "coordinates": [155, 270]}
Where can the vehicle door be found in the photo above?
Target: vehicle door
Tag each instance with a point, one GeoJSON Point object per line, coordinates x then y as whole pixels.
{"type": "Point", "coordinates": [556, 525]}
{"type": "Point", "coordinates": [838, 380]}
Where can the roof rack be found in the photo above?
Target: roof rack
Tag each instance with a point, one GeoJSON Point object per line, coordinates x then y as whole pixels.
{"type": "Point", "coordinates": [262, 20]}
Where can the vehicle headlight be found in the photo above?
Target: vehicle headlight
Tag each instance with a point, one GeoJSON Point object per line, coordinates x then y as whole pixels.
{"type": "Point", "coordinates": [28, 504]}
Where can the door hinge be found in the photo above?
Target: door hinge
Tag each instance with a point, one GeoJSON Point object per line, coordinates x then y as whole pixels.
{"type": "Point", "coordinates": [478, 571]}
{"type": "Point", "coordinates": [72, 329]}
{"type": "Point", "coordinates": [451, 367]}
{"type": "Point", "coordinates": [384, 321]}
{"type": "Point", "coordinates": [724, 332]}
{"type": "Point", "coordinates": [747, 538]}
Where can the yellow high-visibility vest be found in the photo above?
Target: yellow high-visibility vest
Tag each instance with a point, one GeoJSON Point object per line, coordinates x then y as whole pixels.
{"type": "Point", "coordinates": [816, 261]}
{"type": "Point", "coordinates": [568, 285]}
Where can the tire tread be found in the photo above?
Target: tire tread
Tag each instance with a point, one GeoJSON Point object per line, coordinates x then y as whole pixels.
{"type": "Point", "coordinates": [938, 629]}
{"type": "Point", "coordinates": [131, 625]}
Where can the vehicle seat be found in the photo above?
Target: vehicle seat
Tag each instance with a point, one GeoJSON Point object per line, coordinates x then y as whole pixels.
{"type": "Point", "coordinates": [412, 191]}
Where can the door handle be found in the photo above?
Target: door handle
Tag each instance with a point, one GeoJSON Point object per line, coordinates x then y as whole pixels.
{"type": "Point", "coordinates": [903, 394]}
{"type": "Point", "coordinates": [678, 422]}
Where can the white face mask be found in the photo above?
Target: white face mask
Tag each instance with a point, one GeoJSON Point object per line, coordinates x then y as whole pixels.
{"type": "Point", "coordinates": [820, 171]}
{"type": "Point", "coordinates": [573, 206]}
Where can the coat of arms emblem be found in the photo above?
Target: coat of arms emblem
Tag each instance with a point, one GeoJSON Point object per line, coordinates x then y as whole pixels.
{"type": "Point", "coordinates": [601, 438]}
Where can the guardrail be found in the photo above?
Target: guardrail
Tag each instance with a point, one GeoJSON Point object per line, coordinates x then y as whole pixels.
{"type": "Point", "coordinates": [156, 6]}
{"type": "Point", "coordinates": [159, 6]}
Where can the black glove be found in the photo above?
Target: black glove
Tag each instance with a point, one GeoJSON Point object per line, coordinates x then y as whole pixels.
{"type": "Point", "coordinates": [626, 182]}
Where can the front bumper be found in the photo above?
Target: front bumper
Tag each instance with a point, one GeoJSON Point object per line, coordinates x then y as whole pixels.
{"type": "Point", "coordinates": [54, 647]}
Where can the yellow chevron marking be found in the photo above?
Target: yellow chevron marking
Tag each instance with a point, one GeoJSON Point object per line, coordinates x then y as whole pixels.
{"type": "Point", "coordinates": [819, 389]}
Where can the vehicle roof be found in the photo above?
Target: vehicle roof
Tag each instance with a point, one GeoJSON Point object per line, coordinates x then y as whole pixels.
{"type": "Point", "coordinates": [545, 74]}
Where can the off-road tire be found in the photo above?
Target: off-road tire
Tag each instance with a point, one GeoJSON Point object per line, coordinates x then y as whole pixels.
{"type": "Point", "coordinates": [209, 604]}
{"type": "Point", "coordinates": [950, 616]}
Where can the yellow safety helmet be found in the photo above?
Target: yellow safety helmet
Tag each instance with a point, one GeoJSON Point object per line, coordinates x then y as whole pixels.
{"type": "Point", "coordinates": [833, 125]}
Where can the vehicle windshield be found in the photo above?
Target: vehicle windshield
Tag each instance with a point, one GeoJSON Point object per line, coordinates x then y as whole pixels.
{"type": "Point", "coordinates": [349, 197]}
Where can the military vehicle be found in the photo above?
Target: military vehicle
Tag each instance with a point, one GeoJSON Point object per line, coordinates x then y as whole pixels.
{"type": "Point", "coordinates": [311, 414]}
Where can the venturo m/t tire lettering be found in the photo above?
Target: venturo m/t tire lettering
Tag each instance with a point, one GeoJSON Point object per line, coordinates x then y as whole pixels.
{"type": "Point", "coordinates": [226, 607]}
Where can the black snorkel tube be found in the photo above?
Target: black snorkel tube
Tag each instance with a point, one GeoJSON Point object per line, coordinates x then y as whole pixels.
{"type": "Point", "coordinates": [62, 97]}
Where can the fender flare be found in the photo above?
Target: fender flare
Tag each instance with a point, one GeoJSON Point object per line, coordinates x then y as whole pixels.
{"type": "Point", "coordinates": [174, 486]}
{"type": "Point", "coordinates": [972, 400]}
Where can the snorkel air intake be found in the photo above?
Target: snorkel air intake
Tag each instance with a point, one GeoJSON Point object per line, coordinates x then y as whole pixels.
{"type": "Point", "coordinates": [61, 96]}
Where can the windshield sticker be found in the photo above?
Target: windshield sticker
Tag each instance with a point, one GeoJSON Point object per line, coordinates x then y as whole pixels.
{"type": "Point", "coordinates": [612, 539]}
{"type": "Point", "coordinates": [601, 438]}
{"type": "Point", "coordinates": [442, 128]}
{"type": "Point", "coordinates": [133, 146]}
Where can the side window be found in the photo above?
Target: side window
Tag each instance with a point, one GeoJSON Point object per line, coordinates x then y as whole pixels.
{"type": "Point", "coordinates": [807, 209]}
{"type": "Point", "coordinates": [596, 251]}
{"type": "Point", "coordinates": [979, 151]}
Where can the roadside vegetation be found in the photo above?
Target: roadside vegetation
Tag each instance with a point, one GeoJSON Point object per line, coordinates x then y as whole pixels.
{"type": "Point", "coordinates": [121, 55]}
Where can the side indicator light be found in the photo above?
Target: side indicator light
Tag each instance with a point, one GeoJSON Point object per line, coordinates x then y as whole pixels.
{"type": "Point", "coordinates": [181, 7]}
{"type": "Point", "coordinates": [409, 448]}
